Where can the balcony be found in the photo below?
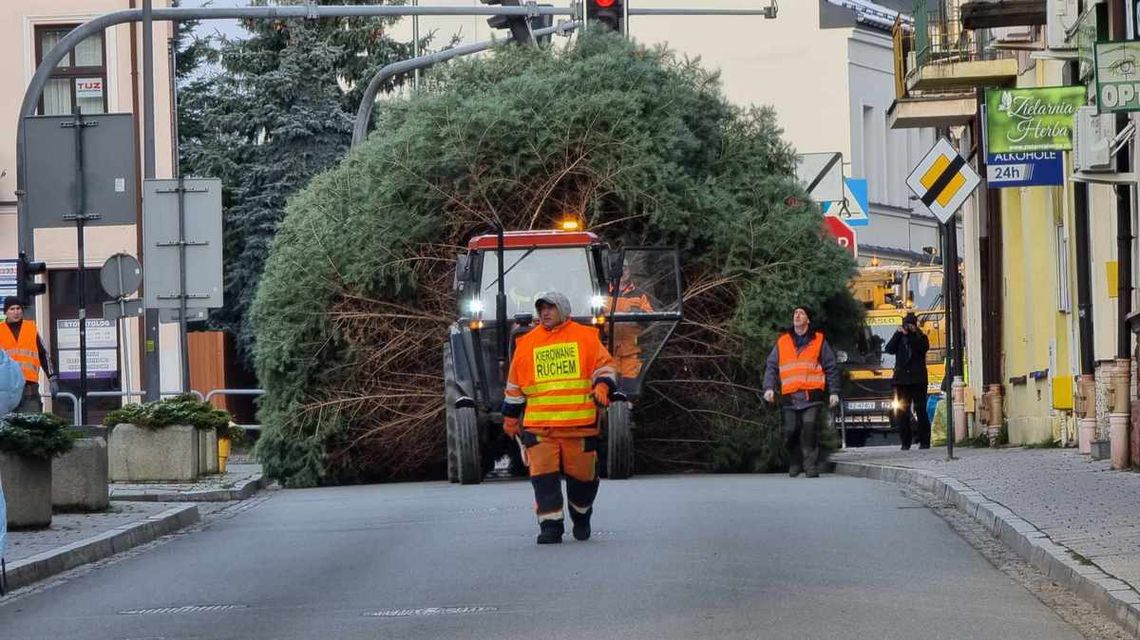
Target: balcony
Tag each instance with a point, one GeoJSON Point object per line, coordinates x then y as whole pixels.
{"type": "Point", "coordinates": [940, 63]}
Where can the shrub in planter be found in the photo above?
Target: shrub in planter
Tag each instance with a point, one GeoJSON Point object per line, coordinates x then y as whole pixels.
{"type": "Point", "coordinates": [162, 440]}
{"type": "Point", "coordinates": [28, 442]}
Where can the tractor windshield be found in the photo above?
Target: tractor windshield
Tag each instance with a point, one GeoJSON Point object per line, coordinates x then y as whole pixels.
{"type": "Point", "coordinates": [531, 272]}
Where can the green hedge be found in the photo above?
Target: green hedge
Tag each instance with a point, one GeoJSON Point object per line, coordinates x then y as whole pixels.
{"type": "Point", "coordinates": [36, 435]}
{"type": "Point", "coordinates": [180, 410]}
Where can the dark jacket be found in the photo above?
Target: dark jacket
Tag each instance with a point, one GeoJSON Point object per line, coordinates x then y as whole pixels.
{"type": "Point", "coordinates": [909, 350]}
{"type": "Point", "coordinates": [826, 360]}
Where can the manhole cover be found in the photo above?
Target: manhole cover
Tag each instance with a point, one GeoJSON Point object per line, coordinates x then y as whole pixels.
{"type": "Point", "coordinates": [427, 611]}
{"type": "Point", "coordinates": [173, 611]}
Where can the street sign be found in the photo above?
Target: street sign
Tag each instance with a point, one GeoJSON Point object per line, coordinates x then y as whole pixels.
{"type": "Point", "coordinates": [116, 309]}
{"type": "Point", "coordinates": [108, 169]}
{"type": "Point", "coordinates": [201, 240]}
{"type": "Point", "coordinates": [121, 275]}
{"type": "Point", "coordinates": [855, 208]}
{"type": "Point", "coordinates": [1036, 169]}
{"type": "Point", "coordinates": [192, 315]}
{"type": "Point", "coordinates": [943, 180]}
{"type": "Point", "coordinates": [843, 233]}
{"type": "Point", "coordinates": [821, 174]}
{"type": "Point", "coordinates": [8, 277]}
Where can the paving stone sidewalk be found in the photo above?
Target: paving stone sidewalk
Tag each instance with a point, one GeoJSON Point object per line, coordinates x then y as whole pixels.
{"type": "Point", "coordinates": [139, 513]}
{"type": "Point", "coordinates": [1090, 511]}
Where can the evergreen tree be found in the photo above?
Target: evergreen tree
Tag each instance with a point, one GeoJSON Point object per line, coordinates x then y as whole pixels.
{"type": "Point", "coordinates": [266, 113]}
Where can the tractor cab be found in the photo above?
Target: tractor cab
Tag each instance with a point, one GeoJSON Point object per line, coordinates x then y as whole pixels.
{"type": "Point", "coordinates": [632, 296]}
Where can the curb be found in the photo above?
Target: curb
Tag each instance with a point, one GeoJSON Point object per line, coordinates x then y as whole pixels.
{"type": "Point", "coordinates": [44, 565]}
{"type": "Point", "coordinates": [242, 491]}
{"type": "Point", "coordinates": [1111, 596]}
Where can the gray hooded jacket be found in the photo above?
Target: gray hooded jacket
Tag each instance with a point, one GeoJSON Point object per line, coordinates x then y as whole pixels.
{"type": "Point", "coordinates": [557, 299]}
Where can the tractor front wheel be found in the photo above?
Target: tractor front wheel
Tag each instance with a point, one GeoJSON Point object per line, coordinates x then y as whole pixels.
{"type": "Point", "coordinates": [470, 462]}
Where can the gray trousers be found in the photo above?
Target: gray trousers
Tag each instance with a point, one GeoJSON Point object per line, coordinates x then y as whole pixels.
{"type": "Point", "coordinates": [801, 437]}
{"type": "Point", "coordinates": [31, 402]}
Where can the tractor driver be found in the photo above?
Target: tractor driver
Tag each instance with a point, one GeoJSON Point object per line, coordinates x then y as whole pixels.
{"type": "Point", "coordinates": [561, 374]}
{"type": "Point", "coordinates": [627, 349]}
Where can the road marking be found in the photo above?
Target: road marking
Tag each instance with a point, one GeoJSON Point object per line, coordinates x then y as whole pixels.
{"type": "Point", "coordinates": [173, 611]}
{"type": "Point", "coordinates": [427, 611]}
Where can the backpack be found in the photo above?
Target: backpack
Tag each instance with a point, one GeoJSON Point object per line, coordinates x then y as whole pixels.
{"type": "Point", "coordinates": [11, 383]}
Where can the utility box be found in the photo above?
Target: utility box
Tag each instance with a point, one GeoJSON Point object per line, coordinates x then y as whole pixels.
{"type": "Point", "coordinates": [1092, 136]}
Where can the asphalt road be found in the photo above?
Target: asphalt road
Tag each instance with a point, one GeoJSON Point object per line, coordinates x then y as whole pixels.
{"type": "Point", "coordinates": [674, 557]}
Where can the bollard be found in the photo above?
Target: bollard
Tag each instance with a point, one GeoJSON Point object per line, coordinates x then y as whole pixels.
{"type": "Point", "coordinates": [995, 413]}
{"type": "Point", "coordinates": [1086, 409]}
{"type": "Point", "coordinates": [958, 392]}
{"type": "Point", "coordinates": [1118, 419]}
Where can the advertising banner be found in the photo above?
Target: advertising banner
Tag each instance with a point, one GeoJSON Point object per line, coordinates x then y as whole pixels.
{"type": "Point", "coordinates": [1033, 169]}
{"type": "Point", "coordinates": [1039, 119]}
{"type": "Point", "coordinates": [1118, 76]}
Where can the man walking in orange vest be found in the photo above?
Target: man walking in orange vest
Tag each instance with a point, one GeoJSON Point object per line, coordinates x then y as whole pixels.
{"type": "Point", "coordinates": [804, 364]}
{"type": "Point", "coordinates": [21, 340]}
{"type": "Point", "coordinates": [560, 375]}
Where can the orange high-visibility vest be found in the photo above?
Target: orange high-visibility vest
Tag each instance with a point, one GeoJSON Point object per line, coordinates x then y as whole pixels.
{"type": "Point", "coordinates": [800, 371]}
{"type": "Point", "coordinates": [554, 371]}
{"type": "Point", "coordinates": [24, 351]}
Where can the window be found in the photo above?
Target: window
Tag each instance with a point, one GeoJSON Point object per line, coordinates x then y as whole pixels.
{"type": "Point", "coordinates": [80, 79]}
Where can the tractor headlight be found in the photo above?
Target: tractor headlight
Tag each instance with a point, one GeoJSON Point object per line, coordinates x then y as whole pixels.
{"type": "Point", "coordinates": [475, 307]}
{"type": "Point", "coordinates": [895, 404]}
{"type": "Point", "coordinates": [597, 302]}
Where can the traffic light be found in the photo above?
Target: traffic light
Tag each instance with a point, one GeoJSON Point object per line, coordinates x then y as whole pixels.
{"type": "Point", "coordinates": [26, 285]}
{"type": "Point", "coordinates": [609, 13]}
{"type": "Point", "coordinates": [519, 25]}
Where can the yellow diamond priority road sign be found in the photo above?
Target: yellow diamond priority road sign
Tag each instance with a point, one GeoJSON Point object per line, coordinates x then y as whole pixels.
{"type": "Point", "coordinates": [943, 180]}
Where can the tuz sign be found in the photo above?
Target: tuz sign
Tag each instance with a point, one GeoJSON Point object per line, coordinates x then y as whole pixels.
{"type": "Point", "coordinates": [1019, 120]}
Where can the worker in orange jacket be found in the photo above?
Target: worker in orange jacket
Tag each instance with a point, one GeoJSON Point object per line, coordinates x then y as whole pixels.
{"type": "Point", "coordinates": [21, 340]}
{"type": "Point", "coordinates": [627, 335]}
{"type": "Point", "coordinates": [560, 375]}
{"type": "Point", "coordinates": [805, 366]}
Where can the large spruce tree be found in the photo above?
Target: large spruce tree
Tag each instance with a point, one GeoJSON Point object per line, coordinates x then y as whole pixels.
{"type": "Point", "coordinates": [353, 307]}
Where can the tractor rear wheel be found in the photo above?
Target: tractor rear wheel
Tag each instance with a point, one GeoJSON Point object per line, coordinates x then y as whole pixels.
{"type": "Point", "coordinates": [468, 459]}
{"type": "Point", "coordinates": [619, 441]}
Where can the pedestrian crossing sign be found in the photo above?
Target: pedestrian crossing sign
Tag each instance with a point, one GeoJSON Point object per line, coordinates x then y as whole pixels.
{"type": "Point", "coordinates": [943, 180]}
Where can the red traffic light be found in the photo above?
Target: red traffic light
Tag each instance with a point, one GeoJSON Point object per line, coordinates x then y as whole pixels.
{"type": "Point", "coordinates": [605, 4]}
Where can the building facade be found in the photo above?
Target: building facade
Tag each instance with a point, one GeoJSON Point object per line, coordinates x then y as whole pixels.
{"type": "Point", "coordinates": [102, 75]}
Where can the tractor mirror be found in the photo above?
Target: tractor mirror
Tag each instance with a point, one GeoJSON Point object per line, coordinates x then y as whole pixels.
{"type": "Point", "coordinates": [461, 262]}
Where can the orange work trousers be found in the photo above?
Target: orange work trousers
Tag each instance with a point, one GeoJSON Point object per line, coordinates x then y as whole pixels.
{"type": "Point", "coordinates": [553, 456]}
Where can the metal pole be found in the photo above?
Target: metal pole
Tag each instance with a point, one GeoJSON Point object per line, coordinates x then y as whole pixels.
{"type": "Point", "coordinates": [364, 111]}
{"type": "Point", "coordinates": [949, 282]}
{"type": "Point", "coordinates": [152, 366]}
{"type": "Point", "coordinates": [122, 328]}
{"type": "Point", "coordinates": [416, 45]}
{"type": "Point", "coordinates": [501, 303]}
{"type": "Point", "coordinates": [80, 218]}
{"type": "Point", "coordinates": [183, 338]}
{"type": "Point", "coordinates": [1123, 249]}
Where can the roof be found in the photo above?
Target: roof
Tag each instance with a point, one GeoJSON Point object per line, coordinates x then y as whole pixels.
{"type": "Point", "coordinates": [534, 238]}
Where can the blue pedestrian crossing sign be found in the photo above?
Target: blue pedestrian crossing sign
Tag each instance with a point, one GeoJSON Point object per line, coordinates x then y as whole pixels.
{"type": "Point", "coordinates": [855, 208]}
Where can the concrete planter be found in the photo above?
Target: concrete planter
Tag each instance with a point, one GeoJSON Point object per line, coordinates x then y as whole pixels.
{"type": "Point", "coordinates": [79, 477]}
{"type": "Point", "coordinates": [138, 454]}
{"type": "Point", "coordinates": [27, 491]}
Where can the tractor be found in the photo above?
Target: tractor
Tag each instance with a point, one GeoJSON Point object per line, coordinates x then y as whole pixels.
{"type": "Point", "coordinates": [631, 295]}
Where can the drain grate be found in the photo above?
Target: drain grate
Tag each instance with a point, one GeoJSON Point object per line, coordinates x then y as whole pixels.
{"type": "Point", "coordinates": [427, 611]}
{"type": "Point", "coordinates": [173, 611]}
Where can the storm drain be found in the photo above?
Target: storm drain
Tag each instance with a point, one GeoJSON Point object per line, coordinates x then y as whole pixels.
{"type": "Point", "coordinates": [174, 611]}
{"type": "Point", "coordinates": [428, 611]}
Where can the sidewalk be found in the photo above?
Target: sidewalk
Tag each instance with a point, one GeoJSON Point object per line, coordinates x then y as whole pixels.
{"type": "Point", "coordinates": [1074, 519]}
{"type": "Point", "coordinates": [139, 513]}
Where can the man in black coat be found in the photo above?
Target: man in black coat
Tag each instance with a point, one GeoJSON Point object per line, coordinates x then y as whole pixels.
{"type": "Point", "coordinates": [909, 346]}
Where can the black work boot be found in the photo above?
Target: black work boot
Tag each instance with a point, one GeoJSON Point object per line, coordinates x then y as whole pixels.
{"type": "Point", "coordinates": [794, 470]}
{"type": "Point", "coordinates": [550, 532]}
{"type": "Point", "coordinates": [581, 523]}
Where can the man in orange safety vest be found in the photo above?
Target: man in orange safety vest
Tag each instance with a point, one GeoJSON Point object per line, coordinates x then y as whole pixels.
{"type": "Point", "coordinates": [804, 365]}
{"type": "Point", "coordinates": [560, 375]}
{"type": "Point", "coordinates": [21, 340]}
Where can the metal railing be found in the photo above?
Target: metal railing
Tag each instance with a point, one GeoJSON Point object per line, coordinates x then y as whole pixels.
{"type": "Point", "coordinates": [938, 37]}
{"type": "Point", "coordinates": [118, 393]}
{"type": "Point", "coordinates": [237, 392]}
{"type": "Point", "coordinates": [75, 404]}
